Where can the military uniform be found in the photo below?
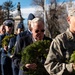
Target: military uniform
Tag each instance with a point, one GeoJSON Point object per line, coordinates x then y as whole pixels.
{"type": "Point", "coordinates": [57, 62]}
{"type": "Point", "coordinates": [12, 41]}
{"type": "Point", "coordinates": [5, 63]}
{"type": "Point", "coordinates": [30, 17]}
{"type": "Point", "coordinates": [21, 43]}
{"type": "Point", "coordinates": [1, 37]}
{"type": "Point", "coordinates": [22, 34]}
{"type": "Point", "coordinates": [21, 26]}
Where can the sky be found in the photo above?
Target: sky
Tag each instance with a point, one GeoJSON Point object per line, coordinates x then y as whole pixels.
{"type": "Point", "coordinates": [26, 7]}
{"type": "Point", "coordinates": [24, 3]}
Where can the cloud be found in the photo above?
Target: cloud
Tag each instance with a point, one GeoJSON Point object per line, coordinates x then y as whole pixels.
{"type": "Point", "coordinates": [25, 12]}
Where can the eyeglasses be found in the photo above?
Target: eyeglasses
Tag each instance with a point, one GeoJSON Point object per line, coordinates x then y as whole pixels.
{"type": "Point", "coordinates": [39, 31]}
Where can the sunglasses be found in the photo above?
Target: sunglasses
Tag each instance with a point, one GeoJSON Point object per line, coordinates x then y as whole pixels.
{"type": "Point", "coordinates": [39, 31]}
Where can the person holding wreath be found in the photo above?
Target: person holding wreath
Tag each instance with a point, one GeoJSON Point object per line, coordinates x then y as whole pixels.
{"type": "Point", "coordinates": [37, 29]}
{"type": "Point", "coordinates": [60, 59]}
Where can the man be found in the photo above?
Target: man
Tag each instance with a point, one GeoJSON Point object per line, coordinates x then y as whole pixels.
{"type": "Point", "coordinates": [30, 17]}
{"type": "Point", "coordinates": [2, 29]}
{"type": "Point", "coordinates": [6, 66]}
{"type": "Point", "coordinates": [9, 24]}
{"type": "Point", "coordinates": [37, 29]}
{"type": "Point", "coordinates": [61, 48]}
{"type": "Point", "coordinates": [2, 35]}
{"type": "Point", "coordinates": [20, 31]}
{"type": "Point", "coordinates": [20, 28]}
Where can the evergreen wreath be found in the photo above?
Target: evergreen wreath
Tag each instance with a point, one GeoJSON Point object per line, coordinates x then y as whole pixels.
{"type": "Point", "coordinates": [36, 53]}
{"type": "Point", "coordinates": [72, 59]}
{"type": "Point", "coordinates": [6, 40]}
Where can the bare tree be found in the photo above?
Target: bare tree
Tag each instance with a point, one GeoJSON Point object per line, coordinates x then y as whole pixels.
{"type": "Point", "coordinates": [1, 15]}
{"type": "Point", "coordinates": [52, 15]}
{"type": "Point", "coordinates": [38, 2]}
{"type": "Point", "coordinates": [52, 20]}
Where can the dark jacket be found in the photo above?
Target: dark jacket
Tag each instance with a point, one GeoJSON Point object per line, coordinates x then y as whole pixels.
{"type": "Point", "coordinates": [5, 63]}
{"type": "Point", "coordinates": [23, 42]}
{"type": "Point", "coordinates": [1, 38]}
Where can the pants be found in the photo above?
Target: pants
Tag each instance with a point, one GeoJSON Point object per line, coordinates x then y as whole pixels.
{"type": "Point", "coordinates": [15, 69]}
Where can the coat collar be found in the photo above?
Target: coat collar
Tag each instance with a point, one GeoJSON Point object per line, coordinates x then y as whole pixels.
{"type": "Point", "coordinates": [70, 35]}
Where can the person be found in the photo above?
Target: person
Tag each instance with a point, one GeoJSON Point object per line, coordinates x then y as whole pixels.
{"type": "Point", "coordinates": [9, 24]}
{"type": "Point", "coordinates": [61, 48]}
{"type": "Point", "coordinates": [2, 29]}
{"type": "Point", "coordinates": [20, 28]}
{"type": "Point", "coordinates": [30, 17]}
{"type": "Point", "coordinates": [37, 29]}
{"type": "Point", "coordinates": [2, 35]}
{"type": "Point", "coordinates": [19, 34]}
{"type": "Point", "coordinates": [6, 61]}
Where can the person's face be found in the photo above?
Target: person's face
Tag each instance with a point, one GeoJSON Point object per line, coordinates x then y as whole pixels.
{"type": "Point", "coordinates": [19, 30]}
{"type": "Point", "coordinates": [8, 29]}
{"type": "Point", "coordinates": [38, 31]}
{"type": "Point", "coordinates": [2, 29]}
{"type": "Point", "coordinates": [71, 21]}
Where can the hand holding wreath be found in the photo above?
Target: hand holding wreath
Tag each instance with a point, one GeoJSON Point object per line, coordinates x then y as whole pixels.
{"type": "Point", "coordinates": [72, 60]}
{"type": "Point", "coordinates": [32, 66]}
{"type": "Point", "coordinates": [35, 55]}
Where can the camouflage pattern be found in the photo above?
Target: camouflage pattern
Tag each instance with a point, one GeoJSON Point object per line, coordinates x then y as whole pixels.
{"type": "Point", "coordinates": [57, 61]}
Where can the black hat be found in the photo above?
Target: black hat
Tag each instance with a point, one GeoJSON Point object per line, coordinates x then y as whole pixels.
{"type": "Point", "coordinates": [20, 25]}
{"type": "Point", "coordinates": [9, 23]}
{"type": "Point", "coordinates": [31, 16]}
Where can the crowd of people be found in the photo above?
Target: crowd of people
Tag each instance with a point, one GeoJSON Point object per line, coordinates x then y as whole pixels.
{"type": "Point", "coordinates": [60, 51]}
{"type": "Point", "coordinates": [11, 63]}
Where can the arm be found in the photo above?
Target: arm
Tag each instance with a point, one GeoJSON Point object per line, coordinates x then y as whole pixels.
{"type": "Point", "coordinates": [55, 63]}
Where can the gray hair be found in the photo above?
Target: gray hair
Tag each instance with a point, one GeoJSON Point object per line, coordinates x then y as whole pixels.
{"type": "Point", "coordinates": [36, 20]}
{"type": "Point", "coordinates": [71, 9]}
